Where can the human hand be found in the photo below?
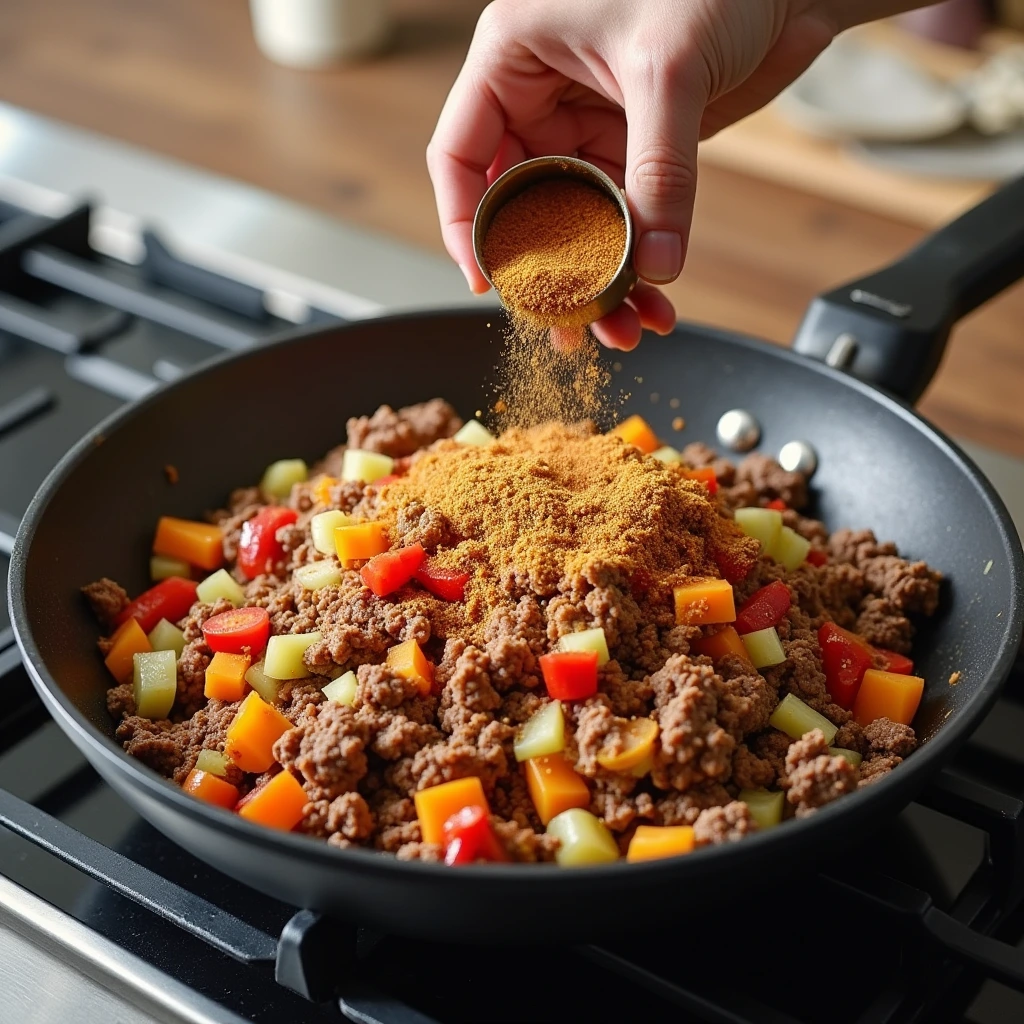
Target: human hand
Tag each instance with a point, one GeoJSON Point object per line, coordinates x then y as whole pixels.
{"type": "Point", "coordinates": [568, 77]}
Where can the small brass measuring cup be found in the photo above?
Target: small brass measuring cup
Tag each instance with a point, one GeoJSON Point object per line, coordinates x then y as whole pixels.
{"type": "Point", "coordinates": [519, 178]}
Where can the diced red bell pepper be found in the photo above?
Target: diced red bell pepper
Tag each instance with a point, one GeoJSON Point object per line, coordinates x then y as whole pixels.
{"type": "Point", "coordinates": [777, 504]}
{"type": "Point", "coordinates": [734, 568]}
{"type": "Point", "coordinates": [389, 479]}
{"type": "Point", "coordinates": [706, 476]}
{"type": "Point", "coordinates": [898, 663]}
{"type": "Point", "coordinates": [570, 675]}
{"type": "Point", "coordinates": [816, 557]}
{"type": "Point", "coordinates": [239, 631]}
{"type": "Point", "coordinates": [386, 572]}
{"type": "Point", "coordinates": [448, 584]}
{"type": "Point", "coordinates": [845, 658]}
{"type": "Point", "coordinates": [170, 599]}
{"type": "Point", "coordinates": [765, 607]}
{"type": "Point", "coordinates": [259, 550]}
{"type": "Point", "coordinates": [468, 836]}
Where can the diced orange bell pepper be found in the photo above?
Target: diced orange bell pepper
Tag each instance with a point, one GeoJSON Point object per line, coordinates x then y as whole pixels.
{"type": "Point", "coordinates": [436, 805]}
{"type": "Point", "coordinates": [638, 743]}
{"type": "Point", "coordinates": [408, 661]}
{"type": "Point", "coordinates": [322, 489]}
{"type": "Point", "coordinates": [718, 645]}
{"type": "Point", "coordinates": [225, 676]}
{"type": "Point", "coordinates": [253, 732]}
{"type": "Point", "coordinates": [705, 602]}
{"type": "Point", "coordinates": [706, 476]}
{"type": "Point", "coordinates": [210, 788]}
{"type": "Point", "coordinates": [364, 540]}
{"type": "Point", "coordinates": [129, 640]}
{"type": "Point", "coordinates": [889, 695]}
{"type": "Point", "coordinates": [199, 544]}
{"type": "Point", "coordinates": [281, 803]}
{"type": "Point", "coordinates": [637, 432]}
{"type": "Point", "coordinates": [554, 786]}
{"type": "Point", "coordinates": [652, 842]}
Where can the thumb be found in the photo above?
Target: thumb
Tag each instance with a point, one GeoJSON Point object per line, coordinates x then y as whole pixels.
{"type": "Point", "coordinates": [664, 106]}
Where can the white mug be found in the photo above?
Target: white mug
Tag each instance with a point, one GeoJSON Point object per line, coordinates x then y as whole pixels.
{"type": "Point", "coordinates": [317, 33]}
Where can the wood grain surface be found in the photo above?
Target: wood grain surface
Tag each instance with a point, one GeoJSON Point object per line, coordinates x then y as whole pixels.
{"type": "Point", "coordinates": [184, 78]}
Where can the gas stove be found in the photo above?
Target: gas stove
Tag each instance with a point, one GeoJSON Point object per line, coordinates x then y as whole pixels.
{"type": "Point", "coordinates": [119, 271]}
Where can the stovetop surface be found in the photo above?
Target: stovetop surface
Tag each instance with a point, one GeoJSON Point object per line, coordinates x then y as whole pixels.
{"type": "Point", "coordinates": [879, 935]}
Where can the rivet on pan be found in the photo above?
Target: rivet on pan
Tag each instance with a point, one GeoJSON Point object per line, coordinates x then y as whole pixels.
{"type": "Point", "coordinates": [738, 430]}
{"type": "Point", "coordinates": [841, 354]}
{"type": "Point", "coordinates": [798, 457]}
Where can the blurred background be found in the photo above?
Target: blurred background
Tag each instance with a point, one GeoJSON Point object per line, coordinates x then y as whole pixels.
{"type": "Point", "coordinates": [331, 103]}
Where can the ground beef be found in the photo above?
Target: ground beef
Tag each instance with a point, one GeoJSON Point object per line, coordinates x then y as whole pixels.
{"type": "Point", "coordinates": [685, 808]}
{"type": "Point", "coordinates": [876, 767]}
{"type": "Point", "coordinates": [814, 777]}
{"type": "Point", "coordinates": [524, 844]}
{"type": "Point", "coordinates": [347, 815]}
{"type": "Point", "coordinates": [121, 701]}
{"type": "Point", "coordinates": [327, 750]}
{"type": "Point", "coordinates": [405, 431]}
{"type": "Point", "coordinates": [890, 738]}
{"type": "Point", "coordinates": [161, 745]}
{"type": "Point", "coordinates": [750, 771]}
{"type": "Point", "coordinates": [723, 824]}
{"type": "Point", "coordinates": [770, 481]}
{"type": "Point", "coordinates": [850, 736]}
{"type": "Point", "coordinates": [107, 600]}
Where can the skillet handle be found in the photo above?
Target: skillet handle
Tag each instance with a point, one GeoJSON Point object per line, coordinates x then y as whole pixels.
{"type": "Point", "coordinates": [890, 328]}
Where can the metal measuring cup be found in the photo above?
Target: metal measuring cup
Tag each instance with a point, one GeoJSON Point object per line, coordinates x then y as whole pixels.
{"type": "Point", "coordinates": [519, 178]}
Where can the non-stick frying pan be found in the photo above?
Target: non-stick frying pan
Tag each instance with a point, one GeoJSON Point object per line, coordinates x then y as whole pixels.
{"type": "Point", "coordinates": [880, 466]}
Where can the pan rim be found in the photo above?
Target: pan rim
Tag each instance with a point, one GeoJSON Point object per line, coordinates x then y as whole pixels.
{"type": "Point", "coordinates": [855, 806]}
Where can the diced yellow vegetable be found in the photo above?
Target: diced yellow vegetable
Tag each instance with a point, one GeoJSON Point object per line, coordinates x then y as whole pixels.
{"type": "Point", "coordinates": [790, 548]}
{"type": "Point", "coordinates": [283, 659]}
{"type": "Point", "coordinates": [474, 432]}
{"type": "Point", "coordinates": [322, 527]}
{"type": "Point", "coordinates": [587, 640]}
{"type": "Point", "coordinates": [705, 602]}
{"type": "Point", "coordinates": [162, 567]}
{"type": "Point", "coordinates": [434, 806]}
{"type": "Point", "coordinates": [636, 748]}
{"type": "Point", "coordinates": [543, 733]}
{"type": "Point", "coordinates": [889, 695]}
{"type": "Point", "coordinates": [220, 584]}
{"type": "Point", "coordinates": [266, 687]}
{"type": "Point", "coordinates": [251, 736]}
{"type": "Point", "coordinates": [651, 842]}
{"type": "Point", "coordinates": [554, 786]}
{"type": "Point", "coordinates": [363, 540]}
{"type": "Point", "coordinates": [763, 524]}
{"type": "Point", "coordinates": [585, 839]}
{"type": "Point", "coordinates": [667, 454]}
{"type": "Point", "coordinates": [155, 683]}
{"type": "Point", "coordinates": [127, 641]}
{"type": "Point", "coordinates": [225, 676]}
{"type": "Point", "coordinates": [343, 689]}
{"type": "Point", "coordinates": [764, 647]}
{"type": "Point", "coordinates": [318, 575]}
{"type": "Point", "coordinates": [282, 475]}
{"type": "Point", "coordinates": [794, 718]}
{"type": "Point", "coordinates": [851, 755]}
{"type": "Point", "coordinates": [365, 466]}
{"type": "Point", "coordinates": [322, 489]}
{"type": "Point", "coordinates": [214, 762]}
{"type": "Point", "coordinates": [408, 661]}
{"type": "Point", "coordinates": [636, 431]}
{"type": "Point", "coordinates": [765, 808]}
{"type": "Point", "coordinates": [165, 636]}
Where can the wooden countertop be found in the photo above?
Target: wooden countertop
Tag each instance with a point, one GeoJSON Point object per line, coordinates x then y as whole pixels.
{"type": "Point", "coordinates": [184, 78]}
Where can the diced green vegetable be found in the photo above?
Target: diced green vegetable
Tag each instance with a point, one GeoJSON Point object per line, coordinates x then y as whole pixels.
{"type": "Point", "coordinates": [161, 567]}
{"type": "Point", "coordinates": [165, 636]}
{"type": "Point", "coordinates": [794, 718]}
{"type": "Point", "coordinates": [262, 683]}
{"type": "Point", "coordinates": [585, 839]}
{"type": "Point", "coordinates": [764, 647]}
{"type": "Point", "coordinates": [322, 527]}
{"type": "Point", "coordinates": [343, 689]}
{"type": "Point", "coordinates": [543, 733]}
{"type": "Point", "coordinates": [365, 466]}
{"type": "Point", "coordinates": [474, 432]}
{"type": "Point", "coordinates": [318, 575]}
{"type": "Point", "coordinates": [765, 808]}
{"type": "Point", "coordinates": [790, 548]}
{"type": "Point", "coordinates": [283, 659]}
{"type": "Point", "coordinates": [155, 683]}
{"type": "Point", "coordinates": [851, 755]}
{"type": "Point", "coordinates": [280, 476]}
{"type": "Point", "coordinates": [763, 524]}
{"type": "Point", "coordinates": [667, 454]}
{"type": "Point", "coordinates": [587, 640]}
{"type": "Point", "coordinates": [214, 762]}
{"type": "Point", "coordinates": [220, 584]}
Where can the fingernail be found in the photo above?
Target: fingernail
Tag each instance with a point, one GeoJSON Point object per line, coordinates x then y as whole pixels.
{"type": "Point", "coordinates": [659, 256]}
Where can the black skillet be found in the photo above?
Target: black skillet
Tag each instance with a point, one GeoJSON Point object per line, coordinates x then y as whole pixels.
{"type": "Point", "coordinates": [880, 466]}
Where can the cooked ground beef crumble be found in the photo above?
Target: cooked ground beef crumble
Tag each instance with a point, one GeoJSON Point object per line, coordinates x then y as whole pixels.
{"type": "Point", "coordinates": [360, 765]}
